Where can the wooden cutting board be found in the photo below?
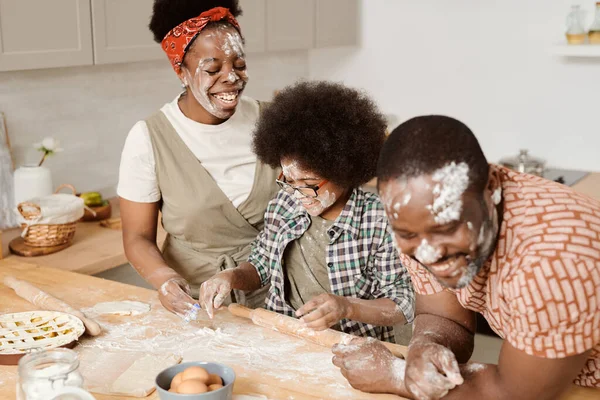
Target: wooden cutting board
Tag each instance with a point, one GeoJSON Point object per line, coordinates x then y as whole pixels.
{"type": "Point", "coordinates": [19, 247]}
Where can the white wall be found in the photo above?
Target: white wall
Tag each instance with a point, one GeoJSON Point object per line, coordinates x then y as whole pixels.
{"type": "Point", "coordinates": [91, 109]}
{"type": "Point", "coordinates": [488, 63]}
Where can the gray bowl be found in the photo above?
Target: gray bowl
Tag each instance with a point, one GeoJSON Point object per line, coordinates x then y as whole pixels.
{"type": "Point", "coordinates": [163, 382]}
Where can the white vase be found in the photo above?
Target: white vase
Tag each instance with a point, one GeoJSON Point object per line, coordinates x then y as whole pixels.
{"type": "Point", "coordinates": [32, 181]}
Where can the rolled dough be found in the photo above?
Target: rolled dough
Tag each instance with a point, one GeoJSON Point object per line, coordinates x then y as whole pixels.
{"type": "Point", "coordinates": [125, 307]}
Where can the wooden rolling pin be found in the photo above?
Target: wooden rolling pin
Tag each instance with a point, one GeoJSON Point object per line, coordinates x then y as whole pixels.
{"type": "Point", "coordinates": [295, 327]}
{"type": "Point", "coordinates": [45, 301]}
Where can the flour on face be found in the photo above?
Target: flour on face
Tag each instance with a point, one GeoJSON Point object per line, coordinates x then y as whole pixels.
{"type": "Point", "coordinates": [451, 181]}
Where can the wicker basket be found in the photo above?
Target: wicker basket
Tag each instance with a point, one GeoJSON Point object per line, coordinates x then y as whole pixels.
{"type": "Point", "coordinates": [45, 235]}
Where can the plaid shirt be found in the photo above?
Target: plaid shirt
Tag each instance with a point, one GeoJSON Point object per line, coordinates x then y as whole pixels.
{"type": "Point", "coordinates": [361, 257]}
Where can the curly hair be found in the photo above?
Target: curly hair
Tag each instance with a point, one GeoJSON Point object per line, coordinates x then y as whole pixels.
{"type": "Point", "coordinates": [167, 14]}
{"type": "Point", "coordinates": [424, 144]}
{"type": "Point", "coordinates": [328, 128]}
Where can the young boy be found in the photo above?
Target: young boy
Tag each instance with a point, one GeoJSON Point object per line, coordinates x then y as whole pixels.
{"type": "Point", "coordinates": [325, 248]}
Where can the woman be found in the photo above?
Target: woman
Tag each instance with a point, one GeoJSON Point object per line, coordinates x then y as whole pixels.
{"type": "Point", "coordinates": [325, 248]}
{"type": "Point", "coordinates": [193, 161]}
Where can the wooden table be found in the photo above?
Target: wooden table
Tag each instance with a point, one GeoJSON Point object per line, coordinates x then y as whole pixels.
{"type": "Point", "coordinates": [266, 362]}
{"type": "Point", "coordinates": [590, 185]}
{"type": "Point", "coordinates": [95, 248]}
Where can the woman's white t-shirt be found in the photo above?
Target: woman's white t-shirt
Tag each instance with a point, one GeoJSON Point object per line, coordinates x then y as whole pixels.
{"type": "Point", "coordinates": [224, 150]}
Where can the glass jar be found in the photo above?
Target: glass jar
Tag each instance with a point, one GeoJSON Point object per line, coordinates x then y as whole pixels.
{"type": "Point", "coordinates": [594, 33]}
{"type": "Point", "coordinates": [51, 374]}
{"type": "Point", "coordinates": [576, 33]}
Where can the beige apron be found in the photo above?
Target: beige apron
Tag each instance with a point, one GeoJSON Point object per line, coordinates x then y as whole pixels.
{"type": "Point", "coordinates": [206, 233]}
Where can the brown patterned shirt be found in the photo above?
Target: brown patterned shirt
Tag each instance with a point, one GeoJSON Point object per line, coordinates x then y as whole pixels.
{"type": "Point", "coordinates": [541, 288]}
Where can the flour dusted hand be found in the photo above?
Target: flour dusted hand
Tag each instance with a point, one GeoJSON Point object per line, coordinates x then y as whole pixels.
{"type": "Point", "coordinates": [431, 371]}
{"type": "Point", "coordinates": [369, 366]}
{"type": "Point", "coordinates": [214, 291]}
{"type": "Point", "coordinates": [174, 295]}
{"type": "Point", "coordinates": [324, 311]}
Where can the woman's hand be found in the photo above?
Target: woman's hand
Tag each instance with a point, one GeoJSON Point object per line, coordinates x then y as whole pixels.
{"type": "Point", "coordinates": [324, 311]}
{"type": "Point", "coordinates": [174, 295]}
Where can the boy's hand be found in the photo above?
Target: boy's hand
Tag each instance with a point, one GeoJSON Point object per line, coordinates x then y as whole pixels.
{"type": "Point", "coordinates": [324, 311]}
{"type": "Point", "coordinates": [214, 291]}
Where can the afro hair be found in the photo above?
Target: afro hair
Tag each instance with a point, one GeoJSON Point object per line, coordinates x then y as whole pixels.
{"type": "Point", "coordinates": [167, 14]}
{"type": "Point", "coordinates": [329, 129]}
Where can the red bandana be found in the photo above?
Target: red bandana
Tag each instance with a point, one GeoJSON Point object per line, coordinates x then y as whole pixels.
{"type": "Point", "coordinates": [176, 42]}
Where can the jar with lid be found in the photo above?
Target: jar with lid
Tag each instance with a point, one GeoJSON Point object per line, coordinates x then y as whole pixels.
{"type": "Point", "coordinates": [576, 33]}
{"type": "Point", "coordinates": [524, 163]}
{"type": "Point", "coordinates": [51, 374]}
{"type": "Point", "coordinates": [594, 33]}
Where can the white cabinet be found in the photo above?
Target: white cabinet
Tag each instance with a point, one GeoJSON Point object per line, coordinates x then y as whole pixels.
{"type": "Point", "coordinates": [62, 33]}
{"type": "Point", "coordinates": [44, 34]}
{"type": "Point", "coordinates": [290, 24]}
{"type": "Point", "coordinates": [336, 23]}
{"type": "Point", "coordinates": [121, 31]}
{"type": "Point", "coordinates": [254, 25]}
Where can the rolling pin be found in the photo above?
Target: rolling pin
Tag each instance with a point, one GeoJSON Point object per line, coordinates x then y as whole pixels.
{"type": "Point", "coordinates": [295, 327]}
{"type": "Point", "coordinates": [45, 301]}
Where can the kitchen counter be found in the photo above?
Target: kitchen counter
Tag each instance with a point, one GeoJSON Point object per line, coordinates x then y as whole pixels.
{"type": "Point", "coordinates": [266, 362]}
{"type": "Point", "coordinates": [590, 185]}
{"type": "Point", "coordinates": [95, 248]}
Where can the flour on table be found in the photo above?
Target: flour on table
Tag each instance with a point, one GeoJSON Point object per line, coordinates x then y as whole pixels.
{"type": "Point", "coordinates": [125, 307]}
{"type": "Point", "coordinates": [249, 397]}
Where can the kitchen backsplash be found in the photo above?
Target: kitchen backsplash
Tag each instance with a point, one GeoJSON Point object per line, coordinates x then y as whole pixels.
{"type": "Point", "coordinates": [91, 109]}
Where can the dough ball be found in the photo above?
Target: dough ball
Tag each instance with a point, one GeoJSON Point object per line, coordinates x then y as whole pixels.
{"type": "Point", "coordinates": [176, 380]}
{"type": "Point", "coordinates": [192, 386]}
{"type": "Point", "coordinates": [197, 373]}
{"type": "Point", "coordinates": [214, 379]}
{"type": "Point", "coordinates": [214, 387]}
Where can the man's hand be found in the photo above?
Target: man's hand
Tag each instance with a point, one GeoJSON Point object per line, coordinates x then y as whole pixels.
{"type": "Point", "coordinates": [324, 311]}
{"type": "Point", "coordinates": [431, 371]}
{"type": "Point", "coordinates": [369, 366]}
{"type": "Point", "coordinates": [214, 291]}
{"type": "Point", "coordinates": [174, 295]}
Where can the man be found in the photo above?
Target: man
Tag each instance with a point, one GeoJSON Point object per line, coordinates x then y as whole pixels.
{"type": "Point", "coordinates": [521, 250]}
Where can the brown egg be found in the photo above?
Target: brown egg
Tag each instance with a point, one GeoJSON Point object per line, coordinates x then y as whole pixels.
{"type": "Point", "coordinates": [176, 380]}
{"type": "Point", "coordinates": [198, 373]}
{"type": "Point", "coordinates": [214, 379]}
{"type": "Point", "coordinates": [172, 390]}
{"type": "Point", "coordinates": [214, 387]}
{"type": "Point", "coordinates": [192, 386]}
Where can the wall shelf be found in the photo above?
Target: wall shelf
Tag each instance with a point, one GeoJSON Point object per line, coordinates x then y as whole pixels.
{"type": "Point", "coordinates": [577, 50]}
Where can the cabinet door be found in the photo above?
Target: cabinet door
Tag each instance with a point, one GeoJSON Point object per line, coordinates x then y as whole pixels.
{"type": "Point", "coordinates": [44, 34]}
{"type": "Point", "coordinates": [254, 23]}
{"type": "Point", "coordinates": [121, 31]}
{"type": "Point", "coordinates": [290, 24]}
{"type": "Point", "coordinates": [337, 23]}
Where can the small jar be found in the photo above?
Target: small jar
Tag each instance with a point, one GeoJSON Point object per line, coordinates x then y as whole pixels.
{"type": "Point", "coordinates": [576, 33]}
{"type": "Point", "coordinates": [51, 374]}
{"type": "Point", "coordinates": [594, 33]}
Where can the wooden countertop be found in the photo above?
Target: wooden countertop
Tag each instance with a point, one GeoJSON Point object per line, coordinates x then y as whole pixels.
{"type": "Point", "coordinates": [95, 248]}
{"type": "Point", "coordinates": [590, 185]}
{"type": "Point", "coordinates": [266, 362]}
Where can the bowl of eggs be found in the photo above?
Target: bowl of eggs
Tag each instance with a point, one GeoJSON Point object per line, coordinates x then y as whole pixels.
{"type": "Point", "coordinates": [196, 381]}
